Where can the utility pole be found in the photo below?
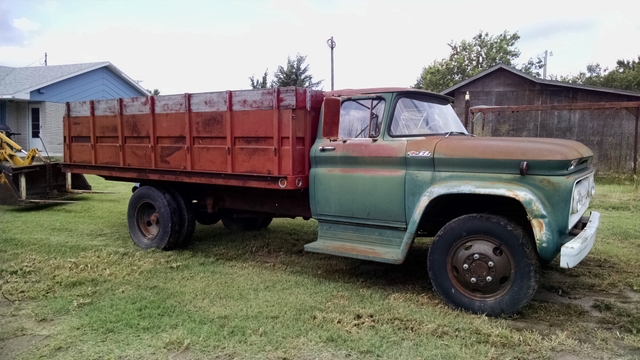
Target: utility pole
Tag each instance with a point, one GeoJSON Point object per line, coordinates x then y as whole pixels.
{"type": "Point", "coordinates": [544, 69]}
{"type": "Point", "coordinates": [45, 59]}
{"type": "Point", "coordinates": [332, 45]}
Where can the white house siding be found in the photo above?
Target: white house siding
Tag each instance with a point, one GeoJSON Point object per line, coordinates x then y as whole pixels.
{"type": "Point", "coordinates": [18, 110]}
{"type": "Point", "coordinates": [51, 115]}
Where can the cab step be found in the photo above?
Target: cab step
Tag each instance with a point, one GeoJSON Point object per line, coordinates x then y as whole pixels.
{"type": "Point", "coordinates": [359, 242]}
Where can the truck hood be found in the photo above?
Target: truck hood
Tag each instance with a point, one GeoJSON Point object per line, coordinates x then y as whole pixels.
{"type": "Point", "coordinates": [505, 155]}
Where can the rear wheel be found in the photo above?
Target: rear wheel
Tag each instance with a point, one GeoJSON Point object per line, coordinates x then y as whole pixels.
{"type": "Point", "coordinates": [483, 264]}
{"type": "Point", "coordinates": [185, 217]}
{"type": "Point", "coordinates": [246, 224]}
{"type": "Point", "coordinates": [153, 220]}
{"type": "Point", "coordinates": [205, 218]}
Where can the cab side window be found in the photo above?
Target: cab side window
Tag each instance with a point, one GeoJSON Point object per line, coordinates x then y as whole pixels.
{"type": "Point", "coordinates": [361, 118]}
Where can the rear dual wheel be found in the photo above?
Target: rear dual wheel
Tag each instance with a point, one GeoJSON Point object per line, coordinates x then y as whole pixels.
{"type": "Point", "coordinates": [246, 224]}
{"type": "Point", "coordinates": [186, 218]}
{"type": "Point", "coordinates": [206, 218]}
{"type": "Point", "coordinates": [483, 264]}
{"type": "Point", "coordinates": [159, 218]}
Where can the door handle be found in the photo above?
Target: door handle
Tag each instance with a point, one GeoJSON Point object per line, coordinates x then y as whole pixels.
{"type": "Point", "coordinates": [326, 148]}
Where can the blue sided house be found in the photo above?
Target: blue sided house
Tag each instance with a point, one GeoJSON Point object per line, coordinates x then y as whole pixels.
{"type": "Point", "coordinates": [32, 98]}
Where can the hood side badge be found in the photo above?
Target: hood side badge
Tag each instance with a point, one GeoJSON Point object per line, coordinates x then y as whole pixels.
{"type": "Point", "coordinates": [423, 153]}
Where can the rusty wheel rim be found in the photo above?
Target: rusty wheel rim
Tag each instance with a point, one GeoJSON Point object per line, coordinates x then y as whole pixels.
{"type": "Point", "coordinates": [148, 220]}
{"type": "Point", "coordinates": [480, 268]}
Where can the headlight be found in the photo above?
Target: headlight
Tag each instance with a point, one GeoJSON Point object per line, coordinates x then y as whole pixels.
{"type": "Point", "coordinates": [580, 195]}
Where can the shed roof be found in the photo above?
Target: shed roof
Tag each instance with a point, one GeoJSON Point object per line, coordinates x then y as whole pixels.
{"type": "Point", "coordinates": [450, 90]}
{"type": "Point", "coordinates": [16, 82]}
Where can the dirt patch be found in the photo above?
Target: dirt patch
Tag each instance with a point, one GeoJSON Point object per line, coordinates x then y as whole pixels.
{"type": "Point", "coordinates": [18, 333]}
{"type": "Point", "coordinates": [181, 355]}
{"type": "Point", "coordinates": [582, 313]}
{"type": "Point", "coordinates": [12, 347]}
{"type": "Point", "coordinates": [558, 287]}
{"type": "Point", "coordinates": [4, 303]}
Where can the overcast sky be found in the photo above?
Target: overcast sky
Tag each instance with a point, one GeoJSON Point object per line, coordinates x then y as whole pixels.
{"type": "Point", "coordinates": [196, 46]}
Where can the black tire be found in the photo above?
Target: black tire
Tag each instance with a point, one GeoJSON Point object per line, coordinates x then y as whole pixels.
{"type": "Point", "coordinates": [205, 218]}
{"type": "Point", "coordinates": [246, 224]}
{"type": "Point", "coordinates": [483, 264]}
{"type": "Point", "coordinates": [266, 221]}
{"type": "Point", "coordinates": [185, 216]}
{"type": "Point", "coordinates": [153, 219]}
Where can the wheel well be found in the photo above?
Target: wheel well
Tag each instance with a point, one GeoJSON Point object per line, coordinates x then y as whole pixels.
{"type": "Point", "coordinates": [445, 208]}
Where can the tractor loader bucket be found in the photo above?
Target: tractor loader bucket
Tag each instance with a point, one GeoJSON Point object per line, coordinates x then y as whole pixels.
{"type": "Point", "coordinates": [39, 183]}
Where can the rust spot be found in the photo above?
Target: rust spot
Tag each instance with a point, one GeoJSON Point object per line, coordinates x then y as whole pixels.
{"type": "Point", "coordinates": [210, 124]}
{"type": "Point", "coordinates": [344, 248]}
{"type": "Point", "coordinates": [109, 129]}
{"type": "Point", "coordinates": [516, 195]}
{"type": "Point", "coordinates": [538, 228]}
{"type": "Point", "coordinates": [167, 151]}
{"type": "Point", "coordinates": [505, 148]}
{"type": "Point", "coordinates": [365, 172]}
{"type": "Point", "coordinates": [370, 150]}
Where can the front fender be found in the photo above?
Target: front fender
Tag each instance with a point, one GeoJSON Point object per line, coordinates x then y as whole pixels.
{"type": "Point", "coordinates": [540, 221]}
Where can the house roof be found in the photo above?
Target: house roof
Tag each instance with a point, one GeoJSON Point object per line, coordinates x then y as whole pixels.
{"type": "Point", "coordinates": [16, 82]}
{"type": "Point", "coordinates": [450, 90]}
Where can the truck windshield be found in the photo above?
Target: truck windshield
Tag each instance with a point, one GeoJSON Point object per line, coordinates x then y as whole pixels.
{"type": "Point", "coordinates": [416, 117]}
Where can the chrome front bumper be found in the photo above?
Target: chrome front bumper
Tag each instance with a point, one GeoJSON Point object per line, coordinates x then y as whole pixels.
{"type": "Point", "coordinates": [579, 246]}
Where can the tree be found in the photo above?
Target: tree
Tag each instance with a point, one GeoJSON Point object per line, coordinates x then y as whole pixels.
{"type": "Point", "coordinates": [155, 92]}
{"type": "Point", "coordinates": [259, 84]}
{"type": "Point", "coordinates": [625, 76]}
{"type": "Point", "coordinates": [296, 73]}
{"type": "Point", "coordinates": [532, 67]}
{"type": "Point", "coordinates": [469, 57]}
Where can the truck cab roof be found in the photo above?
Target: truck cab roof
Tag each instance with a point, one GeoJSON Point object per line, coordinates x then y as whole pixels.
{"type": "Point", "coordinates": [371, 91]}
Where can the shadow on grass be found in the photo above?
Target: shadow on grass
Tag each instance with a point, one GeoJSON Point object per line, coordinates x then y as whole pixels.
{"type": "Point", "coordinates": [30, 208]}
{"type": "Point", "coordinates": [282, 244]}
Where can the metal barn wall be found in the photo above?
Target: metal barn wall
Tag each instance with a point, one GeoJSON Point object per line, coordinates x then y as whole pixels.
{"type": "Point", "coordinates": [608, 132]}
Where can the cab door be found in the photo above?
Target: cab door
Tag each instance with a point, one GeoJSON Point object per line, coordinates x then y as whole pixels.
{"type": "Point", "coordinates": [359, 177]}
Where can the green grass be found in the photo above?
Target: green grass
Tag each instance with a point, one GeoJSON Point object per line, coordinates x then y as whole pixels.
{"type": "Point", "coordinates": [72, 275]}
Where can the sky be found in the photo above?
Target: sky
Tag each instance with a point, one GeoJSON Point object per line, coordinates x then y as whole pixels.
{"type": "Point", "coordinates": [199, 46]}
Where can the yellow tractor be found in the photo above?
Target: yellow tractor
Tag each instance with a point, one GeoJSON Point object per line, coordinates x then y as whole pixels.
{"type": "Point", "coordinates": [24, 181]}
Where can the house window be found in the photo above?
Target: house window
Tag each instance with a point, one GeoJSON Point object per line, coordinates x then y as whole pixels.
{"type": "Point", "coordinates": [35, 122]}
{"type": "Point", "coordinates": [3, 112]}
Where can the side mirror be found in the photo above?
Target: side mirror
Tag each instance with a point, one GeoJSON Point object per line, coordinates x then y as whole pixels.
{"type": "Point", "coordinates": [331, 117]}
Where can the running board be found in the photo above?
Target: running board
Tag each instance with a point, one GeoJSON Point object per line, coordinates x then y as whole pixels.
{"type": "Point", "coordinates": [359, 242]}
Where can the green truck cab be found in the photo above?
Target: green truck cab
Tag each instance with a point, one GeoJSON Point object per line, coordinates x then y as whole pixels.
{"type": "Point", "coordinates": [375, 167]}
{"type": "Point", "coordinates": [397, 163]}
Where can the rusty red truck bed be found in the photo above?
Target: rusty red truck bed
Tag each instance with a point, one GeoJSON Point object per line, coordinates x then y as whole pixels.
{"type": "Point", "coordinates": [255, 138]}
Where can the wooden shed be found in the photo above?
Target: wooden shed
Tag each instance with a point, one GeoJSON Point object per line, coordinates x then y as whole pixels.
{"type": "Point", "coordinates": [611, 132]}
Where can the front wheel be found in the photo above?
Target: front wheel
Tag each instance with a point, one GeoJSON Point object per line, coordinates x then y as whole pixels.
{"type": "Point", "coordinates": [483, 264]}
